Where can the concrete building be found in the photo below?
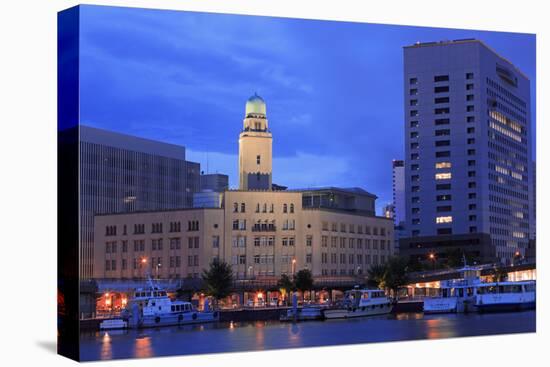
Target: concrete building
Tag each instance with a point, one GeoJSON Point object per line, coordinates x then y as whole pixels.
{"type": "Point", "coordinates": [261, 232]}
{"type": "Point", "coordinates": [468, 148]}
{"type": "Point", "coordinates": [123, 173]}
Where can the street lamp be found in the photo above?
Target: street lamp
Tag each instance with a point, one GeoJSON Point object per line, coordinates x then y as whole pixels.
{"type": "Point", "coordinates": [293, 265]}
{"type": "Point", "coordinates": [143, 262]}
{"type": "Point", "coordinates": [250, 271]}
{"type": "Point", "coordinates": [432, 258]}
{"type": "Point", "coordinates": [158, 266]}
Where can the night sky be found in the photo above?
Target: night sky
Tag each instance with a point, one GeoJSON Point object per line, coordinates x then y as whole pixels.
{"type": "Point", "coordinates": [333, 89]}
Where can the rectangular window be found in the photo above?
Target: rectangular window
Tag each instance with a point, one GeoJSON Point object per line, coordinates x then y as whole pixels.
{"type": "Point", "coordinates": [415, 167]}
{"type": "Point", "coordinates": [414, 134]}
{"type": "Point", "coordinates": [415, 200]}
{"type": "Point", "coordinates": [469, 108]}
{"type": "Point", "coordinates": [414, 113]}
{"type": "Point", "coordinates": [444, 231]}
{"type": "Point", "coordinates": [443, 132]}
{"type": "Point", "coordinates": [440, 165]}
{"type": "Point", "coordinates": [443, 197]}
{"type": "Point", "coordinates": [415, 188]}
{"type": "Point", "coordinates": [413, 102]}
{"type": "Point", "coordinates": [443, 186]}
{"type": "Point", "coordinates": [440, 111]}
{"type": "Point", "coordinates": [446, 219]}
{"type": "Point", "coordinates": [469, 86]}
{"type": "Point", "coordinates": [442, 143]}
{"type": "Point", "coordinates": [470, 97]}
{"type": "Point", "coordinates": [469, 75]}
{"type": "Point", "coordinates": [470, 119]}
{"type": "Point", "coordinates": [413, 81]}
{"type": "Point", "coordinates": [471, 130]}
{"type": "Point", "coordinates": [414, 156]}
{"type": "Point", "coordinates": [441, 100]}
{"type": "Point", "coordinates": [441, 78]}
{"type": "Point", "coordinates": [443, 176]}
{"type": "Point", "coordinates": [441, 89]}
{"type": "Point", "coordinates": [444, 153]}
{"type": "Point", "coordinates": [442, 121]}
{"type": "Point", "coordinates": [414, 123]}
{"type": "Point", "coordinates": [445, 208]}
{"type": "Point", "coordinates": [413, 92]}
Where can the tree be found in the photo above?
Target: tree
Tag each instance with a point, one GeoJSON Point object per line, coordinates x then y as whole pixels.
{"type": "Point", "coordinates": [303, 280]}
{"type": "Point", "coordinates": [285, 284]}
{"type": "Point", "coordinates": [375, 276]}
{"type": "Point", "coordinates": [396, 273]}
{"type": "Point", "coordinates": [218, 279]}
{"type": "Point", "coordinates": [499, 275]}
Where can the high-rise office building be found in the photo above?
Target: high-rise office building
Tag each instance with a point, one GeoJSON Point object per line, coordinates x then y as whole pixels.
{"type": "Point", "coordinates": [468, 152]}
{"type": "Point", "coordinates": [123, 173]}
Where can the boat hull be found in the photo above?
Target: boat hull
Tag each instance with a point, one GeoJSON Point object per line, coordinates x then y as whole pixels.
{"type": "Point", "coordinates": [506, 307]}
{"type": "Point", "coordinates": [303, 314]}
{"type": "Point", "coordinates": [187, 318]}
{"type": "Point", "coordinates": [346, 313]}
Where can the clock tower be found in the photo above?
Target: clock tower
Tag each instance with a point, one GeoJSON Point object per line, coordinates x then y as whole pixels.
{"type": "Point", "coordinates": [255, 141]}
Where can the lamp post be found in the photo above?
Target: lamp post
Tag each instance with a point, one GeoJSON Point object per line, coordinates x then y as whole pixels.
{"type": "Point", "coordinates": [157, 269]}
{"type": "Point", "coordinates": [143, 264]}
{"type": "Point", "coordinates": [432, 258]}
{"type": "Point", "coordinates": [293, 266]}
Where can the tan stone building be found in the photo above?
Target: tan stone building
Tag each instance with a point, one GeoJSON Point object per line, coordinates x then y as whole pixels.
{"type": "Point", "coordinates": [261, 232]}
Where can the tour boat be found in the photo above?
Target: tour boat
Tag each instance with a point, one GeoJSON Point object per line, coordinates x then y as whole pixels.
{"type": "Point", "coordinates": [151, 307]}
{"type": "Point", "coordinates": [456, 295]}
{"type": "Point", "coordinates": [506, 296]}
{"type": "Point", "coordinates": [469, 294]}
{"type": "Point", "coordinates": [359, 303]}
{"type": "Point", "coordinates": [302, 314]}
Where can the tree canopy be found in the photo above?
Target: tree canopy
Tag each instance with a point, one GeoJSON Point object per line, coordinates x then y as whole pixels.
{"type": "Point", "coordinates": [218, 279]}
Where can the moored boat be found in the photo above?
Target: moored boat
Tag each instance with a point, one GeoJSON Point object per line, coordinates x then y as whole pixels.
{"type": "Point", "coordinates": [456, 295]}
{"type": "Point", "coordinates": [360, 303]}
{"type": "Point", "coordinates": [151, 307]}
{"type": "Point", "coordinates": [302, 314]}
{"type": "Point", "coordinates": [506, 296]}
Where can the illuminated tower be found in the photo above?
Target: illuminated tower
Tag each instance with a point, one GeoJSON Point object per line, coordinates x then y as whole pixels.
{"type": "Point", "coordinates": [255, 147]}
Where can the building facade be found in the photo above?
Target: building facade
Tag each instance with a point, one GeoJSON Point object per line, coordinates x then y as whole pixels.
{"type": "Point", "coordinates": [398, 191]}
{"type": "Point", "coordinates": [468, 148]}
{"type": "Point", "coordinates": [261, 234]}
{"type": "Point", "coordinates": [123, 173]}
{"type": "Point", "coordinates": [259, 230]}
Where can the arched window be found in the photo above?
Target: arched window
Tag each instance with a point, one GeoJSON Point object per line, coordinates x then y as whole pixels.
{"type": "Point", "coordinates": [235, 207]}
{"type": "Point", "coordinates": [243, 207]}
{"type": "Point", "coordinates": [265, 208]}
{"type": "Point", "coordinates": [285, 208]}
{"type": "Point", "coordinates": [292, 208]}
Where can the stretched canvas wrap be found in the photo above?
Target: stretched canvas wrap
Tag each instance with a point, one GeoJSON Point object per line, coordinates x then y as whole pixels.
{"type": "Point", "coordinates": [242, 183]}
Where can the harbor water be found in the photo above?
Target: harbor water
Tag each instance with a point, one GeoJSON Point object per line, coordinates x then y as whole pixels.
{"type": "Point", "coordinates": [263, 335]}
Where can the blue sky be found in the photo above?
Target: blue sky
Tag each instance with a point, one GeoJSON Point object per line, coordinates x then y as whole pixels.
{"type": "Point", "coordinates": [333, 89]}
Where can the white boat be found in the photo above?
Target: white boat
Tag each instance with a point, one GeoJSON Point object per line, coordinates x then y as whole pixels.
{"type": "Point", "coordinates": [506, 296]}
{"type": "Point", "coordinates": [360, 303]}
{"type": "Point", "coordinates": [151, 307]}
{"type": "Point", "coordinates": [302, 314]}
{"type": "Point", "coordinates": [456, 295]}
{"type": "Point", "coordinates": [113, 324]}
{"type": "Point", "coordinates": [470, 294]}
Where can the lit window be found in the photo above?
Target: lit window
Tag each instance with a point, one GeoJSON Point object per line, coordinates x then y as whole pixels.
{"type": "Point", "coordinates": [443, 176]}
{"type": "Point", "coordinates": [443, 165]}
{"type": "Point", "coordinates": [448, 219]}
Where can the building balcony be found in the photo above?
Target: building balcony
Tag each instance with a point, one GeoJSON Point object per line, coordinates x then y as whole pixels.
{"type": "Point", "coordinates": [264, 228]}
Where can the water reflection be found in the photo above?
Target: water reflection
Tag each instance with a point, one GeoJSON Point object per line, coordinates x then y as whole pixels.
{"type": "Point", "coordinates": [106, 347]}
{"type": "Point", "coordinates": [143, 347]}
{"type": "Point", "coordinates": [264, 335]}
